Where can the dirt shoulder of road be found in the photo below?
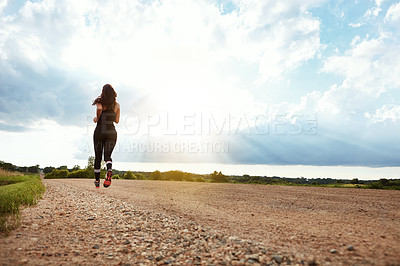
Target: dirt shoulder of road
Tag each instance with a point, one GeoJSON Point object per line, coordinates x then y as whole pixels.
{"type": "Point", "coordinates": [163, 222]}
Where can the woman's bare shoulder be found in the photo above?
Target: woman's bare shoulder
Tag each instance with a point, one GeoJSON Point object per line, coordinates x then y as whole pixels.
{"type": "Point", "coordinates": [99, 106]}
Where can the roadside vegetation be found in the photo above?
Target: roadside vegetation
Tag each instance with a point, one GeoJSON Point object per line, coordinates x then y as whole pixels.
{"type": "Point", "coordinates": [13, 169]}
{"type": "Point", "coordinates": [17, 190]}
{"type": "Point", "coordinates": [216, 177]}
{"type": "Point", "coordinates": [382, 183]}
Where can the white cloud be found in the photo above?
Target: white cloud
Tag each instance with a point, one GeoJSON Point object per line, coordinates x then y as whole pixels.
{"type": "Point", "coordinates": [370, 66]}
{"type": "Point", "coordinates": [375, 10]}
{"type": "Point", "coordinates": [388, 112]}
{"type": "Point", "coordinates": [151, 44]}
{"type": "Point", "coordinates": [3, 4]}
{"type": "Point", "coordinates": [46, 143]}
{"type": "Point", "coordinates": [393, 13]}
{"type": "Point", "coordinates": [355, 25]}
{"type": "Point", "coordinates": [355, 41]}
{"type": "Point", "coordinates": [279, 36]}
{"type": "Point", "coordinates": [167, 38]}
{"type": "Point", "coordinates": [34, 37]}
{"type": "Point", "coordinates": [369, 69]}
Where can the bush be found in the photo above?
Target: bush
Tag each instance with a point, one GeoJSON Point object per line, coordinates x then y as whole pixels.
{"type": "Point", "coordinates": [173, 175]}
{"type": "Point", "coordinates": [115, 177]}
{"type": "Point", "coordinates": [218, 177]}
{"type": "Point", "coordinates": [57, 174]}
{"type": "Point", "coordinates": [48, 169]}
{"type": "Point", "coordinates": [200, 179]}
{"type": "Point", "coordinates": [384, 183]}
{"type": "Point", "coordinates": [188, 177]}
{"type": "Point", "coordinates": [140, 176]}
{"type": "Point", "coordinates": [156, 175]}
{"type": "Point", "coordinates": [376, 185]}
{"type": "Point", "coordinates": [129, 175]}
{"type": "Point", "coordinates": [82, 173]}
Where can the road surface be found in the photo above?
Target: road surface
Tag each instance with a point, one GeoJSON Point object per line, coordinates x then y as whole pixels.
{"type": "Point", "coordinates": [243, 224]}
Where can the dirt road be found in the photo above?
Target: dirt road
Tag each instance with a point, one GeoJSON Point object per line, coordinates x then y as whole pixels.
{"type": "Point", "coordinates": [222, 223]}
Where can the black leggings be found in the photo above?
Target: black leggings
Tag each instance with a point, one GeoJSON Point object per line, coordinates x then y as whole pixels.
{"type": "Point", "coordinates": [103, 142]}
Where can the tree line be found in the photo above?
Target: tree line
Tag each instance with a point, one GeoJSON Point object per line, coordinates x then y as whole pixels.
{"type": "Point", "coordinates": [88, 172]}
{"type": "Point", "coordinates": [176, 175]}
{"type": "Point", "coordinates": [23, 169]}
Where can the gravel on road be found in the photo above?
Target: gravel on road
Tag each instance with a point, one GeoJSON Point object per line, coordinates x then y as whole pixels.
{"type": "Point", "coordinates": [161, 222]}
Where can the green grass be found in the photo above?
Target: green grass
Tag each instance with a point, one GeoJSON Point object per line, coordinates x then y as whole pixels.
{"type": "Point", "coordinates": [15, 192]}
{"type": "Point", "coordinates": [344, 185]}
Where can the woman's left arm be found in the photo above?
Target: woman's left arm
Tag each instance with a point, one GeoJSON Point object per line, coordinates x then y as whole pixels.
{"type": "Point", "coordinates": [98, 112]}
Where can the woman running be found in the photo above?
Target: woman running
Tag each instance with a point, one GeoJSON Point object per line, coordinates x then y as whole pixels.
{"type": "Point", "coordinates": [105, 135]}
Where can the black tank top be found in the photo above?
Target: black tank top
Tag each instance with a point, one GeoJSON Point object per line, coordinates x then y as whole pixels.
{"type": "Point", "coordinates": [106, 120]}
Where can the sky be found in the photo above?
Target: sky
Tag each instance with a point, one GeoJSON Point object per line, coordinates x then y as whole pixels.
{"type": "Point", "coordinates": [291, 87]}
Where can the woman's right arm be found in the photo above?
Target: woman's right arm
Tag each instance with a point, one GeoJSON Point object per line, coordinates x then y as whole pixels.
{"type": "Point", "coordinates": [117, 114]}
